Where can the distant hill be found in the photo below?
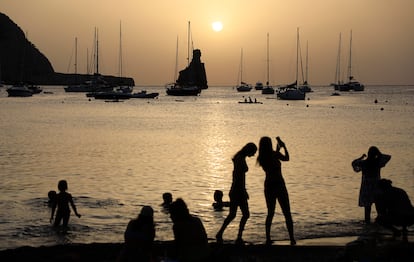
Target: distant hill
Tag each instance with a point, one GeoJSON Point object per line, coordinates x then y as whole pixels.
{"type": "Point", "coordinates": [21, 61]}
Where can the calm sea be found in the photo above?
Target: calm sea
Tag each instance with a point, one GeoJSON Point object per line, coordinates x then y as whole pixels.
{"type": "Point", "coordinates": [118, 157]}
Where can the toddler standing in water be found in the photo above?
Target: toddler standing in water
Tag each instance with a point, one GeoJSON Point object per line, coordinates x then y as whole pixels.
{"type": "Point", "coordinates": [219, 203]}
{"type": "Point", "coordinates": [63, 199]}
{"type": "Point", "coordinates": [52, 198]}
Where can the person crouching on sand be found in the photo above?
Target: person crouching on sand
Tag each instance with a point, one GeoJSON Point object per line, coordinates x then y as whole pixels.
{"type": "Point", "coordinates": [371, 173]}
{"type": "Point", "coordinates": [190, 237]}
{"type": "Point", "coordinates": [139, 237]}
{"type": "Point", "coordinates": [63, 199]}
{"type": "Point", "coordinates": [394, 208]}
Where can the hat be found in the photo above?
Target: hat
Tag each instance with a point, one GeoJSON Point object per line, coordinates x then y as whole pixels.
{"type": "Point", "coordinates": [147, 211]}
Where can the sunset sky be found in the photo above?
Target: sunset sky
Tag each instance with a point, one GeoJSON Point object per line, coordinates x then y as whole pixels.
{"type": "Point", "coordinates": [382, 53]}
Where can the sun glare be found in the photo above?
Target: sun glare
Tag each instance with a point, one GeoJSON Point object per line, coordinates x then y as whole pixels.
{"type": "Point", "coordinates": [217, 26]}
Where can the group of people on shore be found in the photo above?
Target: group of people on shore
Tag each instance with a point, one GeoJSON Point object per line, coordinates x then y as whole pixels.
{"type": "Point", "coordinates": [274, 187]}
{"type": "Point", "coordinates": [190, 236]}
{"type": "Point", "coordinates": [392, 204]}
{"type": "Point", "coordinates": [189, 233]}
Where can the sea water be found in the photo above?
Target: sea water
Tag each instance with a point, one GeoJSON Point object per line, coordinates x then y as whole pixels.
{"type": "Point", "coordinates": [118, 157]}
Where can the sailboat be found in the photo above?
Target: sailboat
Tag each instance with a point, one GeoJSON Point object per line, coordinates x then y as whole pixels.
{"type": "Point", "coordinates": [192, 79]}
{"type": "Point", "coordinates": [258, 85]}
{"type": "Point", "coordinates": [242, 87]}
{"type": "Point", "coordinates": [19, 90]}
{"type": "Point", "coordinates": [292, 92]}
{"type": "Point", "coordinates": [352, 84]}
{"type": "Point", "coordinates": [338, 83]}
{"type": "Point", "coordinates": [97, 82]}
{"type": "Point", "coordinates": [268, 90]}
{"type": "Point", "coordinates": [121, 88]}
{"type": "Point", "coordinates": [305, 87]}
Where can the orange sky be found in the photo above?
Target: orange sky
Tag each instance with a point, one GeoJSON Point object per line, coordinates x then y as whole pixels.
{"type": "Point", "coordinates": [383, 37]}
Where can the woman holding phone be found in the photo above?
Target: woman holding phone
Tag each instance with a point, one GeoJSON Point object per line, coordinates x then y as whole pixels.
{"type": "Point", "coordinates": [274, 185]}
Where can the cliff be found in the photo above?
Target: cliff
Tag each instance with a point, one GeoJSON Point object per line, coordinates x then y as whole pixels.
{"type": "Point", "coordinates": [195, 73]}
{"type": "Point", "coordinates": [21, 61]}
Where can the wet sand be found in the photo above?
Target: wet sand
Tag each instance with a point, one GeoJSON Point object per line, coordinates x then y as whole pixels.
{"type": "Point", "coordinates": [328, 249]}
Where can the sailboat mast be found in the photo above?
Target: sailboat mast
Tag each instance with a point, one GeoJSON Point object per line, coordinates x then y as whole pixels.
{"type": "Point", "coordinates": [267, 82]}
{"type": "Point", "coordinates": [338, 62]}
{"type": "Point", "coordinates": [120, 51]}
{"type": "Point", "coordinates": [297, 56]}
{"type": "Point", "coordinates": [306, 72]}
{"type": "Point", "coordinates": [76, 55]}
{"type": "Point", "coordinates": [188, 44]}
{"type": "Point", "coordinates": [97, 52]}
{"type": "Point", "coordinates": [87, 62]}
{"type": "Point", "coordinates": [176, 61]}
{"type": "Point", "coordinates": [350, 58]}
{"type": "Point", "coordinates": [241, 66]}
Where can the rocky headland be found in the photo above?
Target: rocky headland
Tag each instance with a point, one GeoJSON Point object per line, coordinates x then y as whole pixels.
{"type": "Point", "coordinates": [22, 61]}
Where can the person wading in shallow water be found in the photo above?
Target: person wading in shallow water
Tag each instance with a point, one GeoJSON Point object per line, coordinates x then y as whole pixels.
{"type": "Point", "coordinates": [238, 193]}
{"type": "Point", "coordinates": [167, 200]}
{"type": "Point", "coordinates": [63, 199]}
{"type": "Point", "coordinates": [218, 203]}
{"type": "Point", "coordinates": [52, 198]}
{"type": "Point", "coordinates": [274, 186]}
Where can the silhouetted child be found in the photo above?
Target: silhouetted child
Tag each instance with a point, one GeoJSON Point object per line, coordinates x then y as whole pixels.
{"type": "Point", "coordinates": [52, 198]}
{"type": "Point", "coordinates": [394, 208]}
{"type": "Point", "coordinates": [139, 237]}
{"type": "Point", "coordinates": [190, 237]}
{"type": "Point", "coordinates": [63, 199]}
{"type": "Point", "coordinates": [167, 197]}
{"type": "Point", "coordinates": [218, 198]}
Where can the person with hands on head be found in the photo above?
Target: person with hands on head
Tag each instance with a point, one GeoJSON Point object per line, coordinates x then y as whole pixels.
{"type": "Point", "coordinates": [370, 166]}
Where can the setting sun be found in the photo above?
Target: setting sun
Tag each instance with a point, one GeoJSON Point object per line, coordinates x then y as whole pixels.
{"type": "Point", "coordinates": [217, 26]}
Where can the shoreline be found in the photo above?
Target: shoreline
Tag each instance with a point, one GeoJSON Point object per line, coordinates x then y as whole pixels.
{"type": "Point", "coordinates": [372, 248]}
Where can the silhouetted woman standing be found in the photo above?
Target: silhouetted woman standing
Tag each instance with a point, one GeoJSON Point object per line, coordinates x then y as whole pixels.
{"type": "Point", "coordinates": [371, 174]}
{"type": "Point", "coordinates": [274, 186]}
{"type": "Point", "coordinates": [238, 193]}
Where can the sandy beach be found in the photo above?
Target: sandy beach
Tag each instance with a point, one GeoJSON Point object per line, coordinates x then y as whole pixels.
{"type": "Point", "coordinates": [329, 249]}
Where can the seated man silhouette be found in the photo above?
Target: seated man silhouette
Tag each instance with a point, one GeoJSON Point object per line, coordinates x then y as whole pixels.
{"type": "Point", "coordinates": [394, 208]}
{"type": "Point", "coordinates": [190, 237]}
